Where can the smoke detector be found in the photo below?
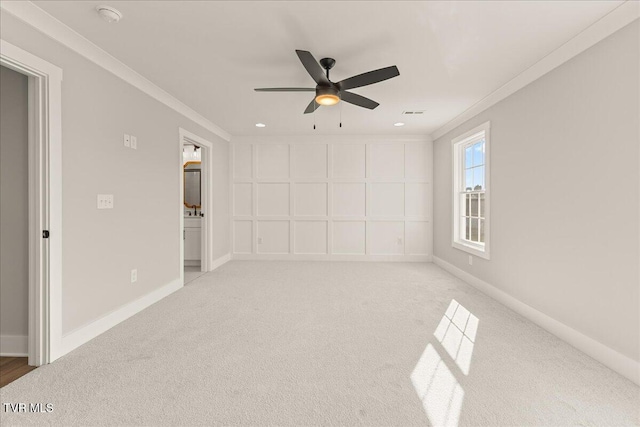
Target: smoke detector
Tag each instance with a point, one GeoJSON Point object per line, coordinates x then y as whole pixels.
{"type": "Point", "coordinates": [109, 14]}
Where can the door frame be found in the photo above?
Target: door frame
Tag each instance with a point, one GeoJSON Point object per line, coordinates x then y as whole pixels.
{"type": "Point", "coordinates": [45, 201]}
{"type": "Point", "coordinates": [186, 137]}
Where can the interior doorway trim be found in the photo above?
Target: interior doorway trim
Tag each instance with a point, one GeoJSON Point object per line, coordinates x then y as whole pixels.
{"type": "Point", "coordinates": [45, 201]}
{"type": "Point", "coordinates": [187, 137]}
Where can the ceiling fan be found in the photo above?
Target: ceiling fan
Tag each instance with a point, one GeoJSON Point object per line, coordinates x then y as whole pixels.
{"type": "Point", "coordinates": [330, 93]}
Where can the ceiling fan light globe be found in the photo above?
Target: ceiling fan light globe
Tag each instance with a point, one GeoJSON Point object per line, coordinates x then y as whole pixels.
{"type": "Point", "coordinates": [327, 99]}
{"type": "Point", "coordinates": [327, 96]}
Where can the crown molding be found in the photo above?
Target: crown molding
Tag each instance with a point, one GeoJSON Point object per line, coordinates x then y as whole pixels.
{"type": "Point", "coordinates": [60, 32]}
{"type": "Point", "coordinates": [618, 18]}
{"type": "Point", "coordinates": [327, 139]}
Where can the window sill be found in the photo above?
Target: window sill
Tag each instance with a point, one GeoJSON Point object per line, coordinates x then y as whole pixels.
{"type": "Point", "coordinates": [473, 250]}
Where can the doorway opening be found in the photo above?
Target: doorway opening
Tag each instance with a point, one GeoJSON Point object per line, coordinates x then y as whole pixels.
{"type": "Point", "coordinates": [41, 212]}
{"type": "Point", "coordinates": [195, 206]}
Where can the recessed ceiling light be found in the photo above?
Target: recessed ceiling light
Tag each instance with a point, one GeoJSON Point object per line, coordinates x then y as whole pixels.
{"type": "Point", "coordinates": [109, 14]}
{"type": "Point", "coordinates": [260, 125]}
{"type": "Point", "coordinates": [398, 124]}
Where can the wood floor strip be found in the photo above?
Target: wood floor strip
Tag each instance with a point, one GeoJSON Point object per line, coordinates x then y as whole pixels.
{"type": "Point", "coordinates": [12, 368]}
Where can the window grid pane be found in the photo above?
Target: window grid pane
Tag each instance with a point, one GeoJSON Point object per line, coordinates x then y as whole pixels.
{"type": "Point", "coordinates": [472, 192]}
{"type": "Point", "coordinates": [472, 218]}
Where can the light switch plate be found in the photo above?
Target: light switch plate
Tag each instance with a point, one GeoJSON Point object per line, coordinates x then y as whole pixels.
{"type": "Point", "coordinates": [134, 142]}
{"type": "Point", "coordinates": [134, 275]}
{"type": "Point", "coordinates": [105, 201]}
{"type": "Point", "coordinates": [127, 140]}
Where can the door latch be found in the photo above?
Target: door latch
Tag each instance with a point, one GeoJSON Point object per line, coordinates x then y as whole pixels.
{"type": "Point", "coordinates": [45, 234]}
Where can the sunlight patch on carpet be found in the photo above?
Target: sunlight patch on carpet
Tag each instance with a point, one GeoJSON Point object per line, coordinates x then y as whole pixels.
{"type": "Point", "coordinates": [436, 385]}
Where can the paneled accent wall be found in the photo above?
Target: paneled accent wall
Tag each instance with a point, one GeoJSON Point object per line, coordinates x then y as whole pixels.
{"type": "Point", "coordinates": [356, 199]}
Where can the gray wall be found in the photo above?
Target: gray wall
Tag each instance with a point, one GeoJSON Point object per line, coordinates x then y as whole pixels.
{"type": "Point", "coordinates": [100, 247]}
{"type": "Point", "coordinates": [564, 194]}
{"type": "Point", "coordinates": [14, 204]}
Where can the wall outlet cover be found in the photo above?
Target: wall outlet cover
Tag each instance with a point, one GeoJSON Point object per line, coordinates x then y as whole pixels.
{"type": "Point", "coordinates": [134, 275]}
{"type": "Point", "coordinates": [105, 201]}
{"type": "Point", "coordinates": [134, 142]}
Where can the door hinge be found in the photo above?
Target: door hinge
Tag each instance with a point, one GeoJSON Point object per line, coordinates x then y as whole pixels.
{"type": "Point", "coordinates": [45, 234]}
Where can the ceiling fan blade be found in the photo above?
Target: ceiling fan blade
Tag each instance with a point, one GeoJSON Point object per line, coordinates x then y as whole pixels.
{"type": "Point", "coordinates": [358, 100]}
{"type": "Point", "coordinates": [313, 106]}
{"type": "Point", "coordinates": [285, 89]}
{"type": "Point", "coordinates": [369, 78]}
{"type": "Point", "coordinates": [313, 67]}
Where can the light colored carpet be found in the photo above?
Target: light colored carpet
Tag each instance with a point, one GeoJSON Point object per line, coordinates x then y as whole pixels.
{"type": "Point", "coordinates": [191, 274]}
{"type": "Point", "coordinates": [303, 343]}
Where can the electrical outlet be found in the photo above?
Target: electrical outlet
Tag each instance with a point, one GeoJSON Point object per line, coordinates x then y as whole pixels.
{"type": "Point", "coordinates": [259, 240]}
{"type": "Point", "coordinates": [134, 275]}
{"type": "Point", "coordinates": [127, 140]}
{"type": "Point", "coordinates": [134, 142]}
{"type": "Point", "coordinates": [399, 240]}
{"type": "Point", "coordinates": [105, 201]}
{"type": "Point", "coordinates": [470, 260]}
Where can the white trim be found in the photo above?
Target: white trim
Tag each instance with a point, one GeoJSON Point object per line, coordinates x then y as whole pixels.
{"type": "Point", "coordinates": [14, 345]}
{"type": "Point", "coordinates": [303, 139]}
{"type": "Point", "coordinates": [219, 262]}
{"type": "Point", "coordinates": [76, 338]}
{"type": "Point", "coordinates": [58, 31]}
{"type": "Point", "coordinates": [601, 29]}
{"type": "Point", "coordinates": [329, 217]}
{"type": "Point", "coordinates": [86, 333]}
{"type": "Point", "coordinates": [45, 201]}
{"type": "Point", "coordinates": [330, 257]}
{"type": "Point", "coordinates": [609, 357]}
{"type": "Point", "coordinates": [207, 197]}
{"type": "Point", "coordinates": [482, 251]}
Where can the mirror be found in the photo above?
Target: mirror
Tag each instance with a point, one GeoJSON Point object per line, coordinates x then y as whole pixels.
{"type": "Point", "coordinates": [192, 181]}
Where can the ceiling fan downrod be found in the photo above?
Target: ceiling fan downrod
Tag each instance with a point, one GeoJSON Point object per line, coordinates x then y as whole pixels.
{"type": "Point", "coordinates": [327, 64]}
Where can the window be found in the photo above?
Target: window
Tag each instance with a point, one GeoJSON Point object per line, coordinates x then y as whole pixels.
{"type": "Point", "coordinates": [471, 191]}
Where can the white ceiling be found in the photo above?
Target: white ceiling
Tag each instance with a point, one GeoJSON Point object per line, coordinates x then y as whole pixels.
{"type": "Point", "coordinates": [211, 55]}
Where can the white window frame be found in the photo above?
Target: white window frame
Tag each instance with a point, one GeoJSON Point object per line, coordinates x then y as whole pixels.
{"type": "Point", "coordinates": [477, 249]}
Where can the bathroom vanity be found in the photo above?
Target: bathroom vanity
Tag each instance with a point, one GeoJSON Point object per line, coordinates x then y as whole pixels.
{"type": "Point", "coordinates": [192, 240]}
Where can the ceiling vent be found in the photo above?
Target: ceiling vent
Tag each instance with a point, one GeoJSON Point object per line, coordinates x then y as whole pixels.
{"type": "Point", "coordinates": [413, 112]}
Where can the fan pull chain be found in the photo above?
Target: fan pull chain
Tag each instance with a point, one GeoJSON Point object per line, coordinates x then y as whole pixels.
{"type": "Point", "coordinates": [314, 115]}
{"type": "Point", "coordinates": [341, 113]}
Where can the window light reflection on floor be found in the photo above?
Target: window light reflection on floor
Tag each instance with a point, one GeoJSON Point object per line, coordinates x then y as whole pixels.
{"type": "Point", "coordinates": [438, 389]}
{"type": "Point", "coordinates": [436, 385]}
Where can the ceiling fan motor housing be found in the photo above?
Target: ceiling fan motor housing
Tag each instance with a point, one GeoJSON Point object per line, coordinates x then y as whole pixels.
{"type": "Point", "coordinates": [327, 95]}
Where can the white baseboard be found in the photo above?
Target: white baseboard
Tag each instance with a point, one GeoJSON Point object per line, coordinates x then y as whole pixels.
{"type": "Point", "coordinates": [609, 357]}
{"type": "Point", "coordinates": [76, 338]}
{"type": "Point", "coordinates": [220, 261]}
{"type": "Point", "coordinates": [14, 345]}
{"type": "Point", "coordinates": [331, 257]}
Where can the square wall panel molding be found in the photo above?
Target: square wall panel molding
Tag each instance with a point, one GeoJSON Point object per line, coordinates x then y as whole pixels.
{"type": "Point", "coordinates": [309, 161]}
{"type": "Point", "coordinates": [272, 161]}
{"type": "Point", "coordinates": [354, 199]}
{"type": "Point", "coordinates": [273, 199]}
{"type": "Point", "coordinates": [310, 237]}
{"type": "Point", "coordinates": [273, 237]}
{"type": "Point", "coordinates": [310, 199]}
{"type": "Point", "coordinates": [349, 237]}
